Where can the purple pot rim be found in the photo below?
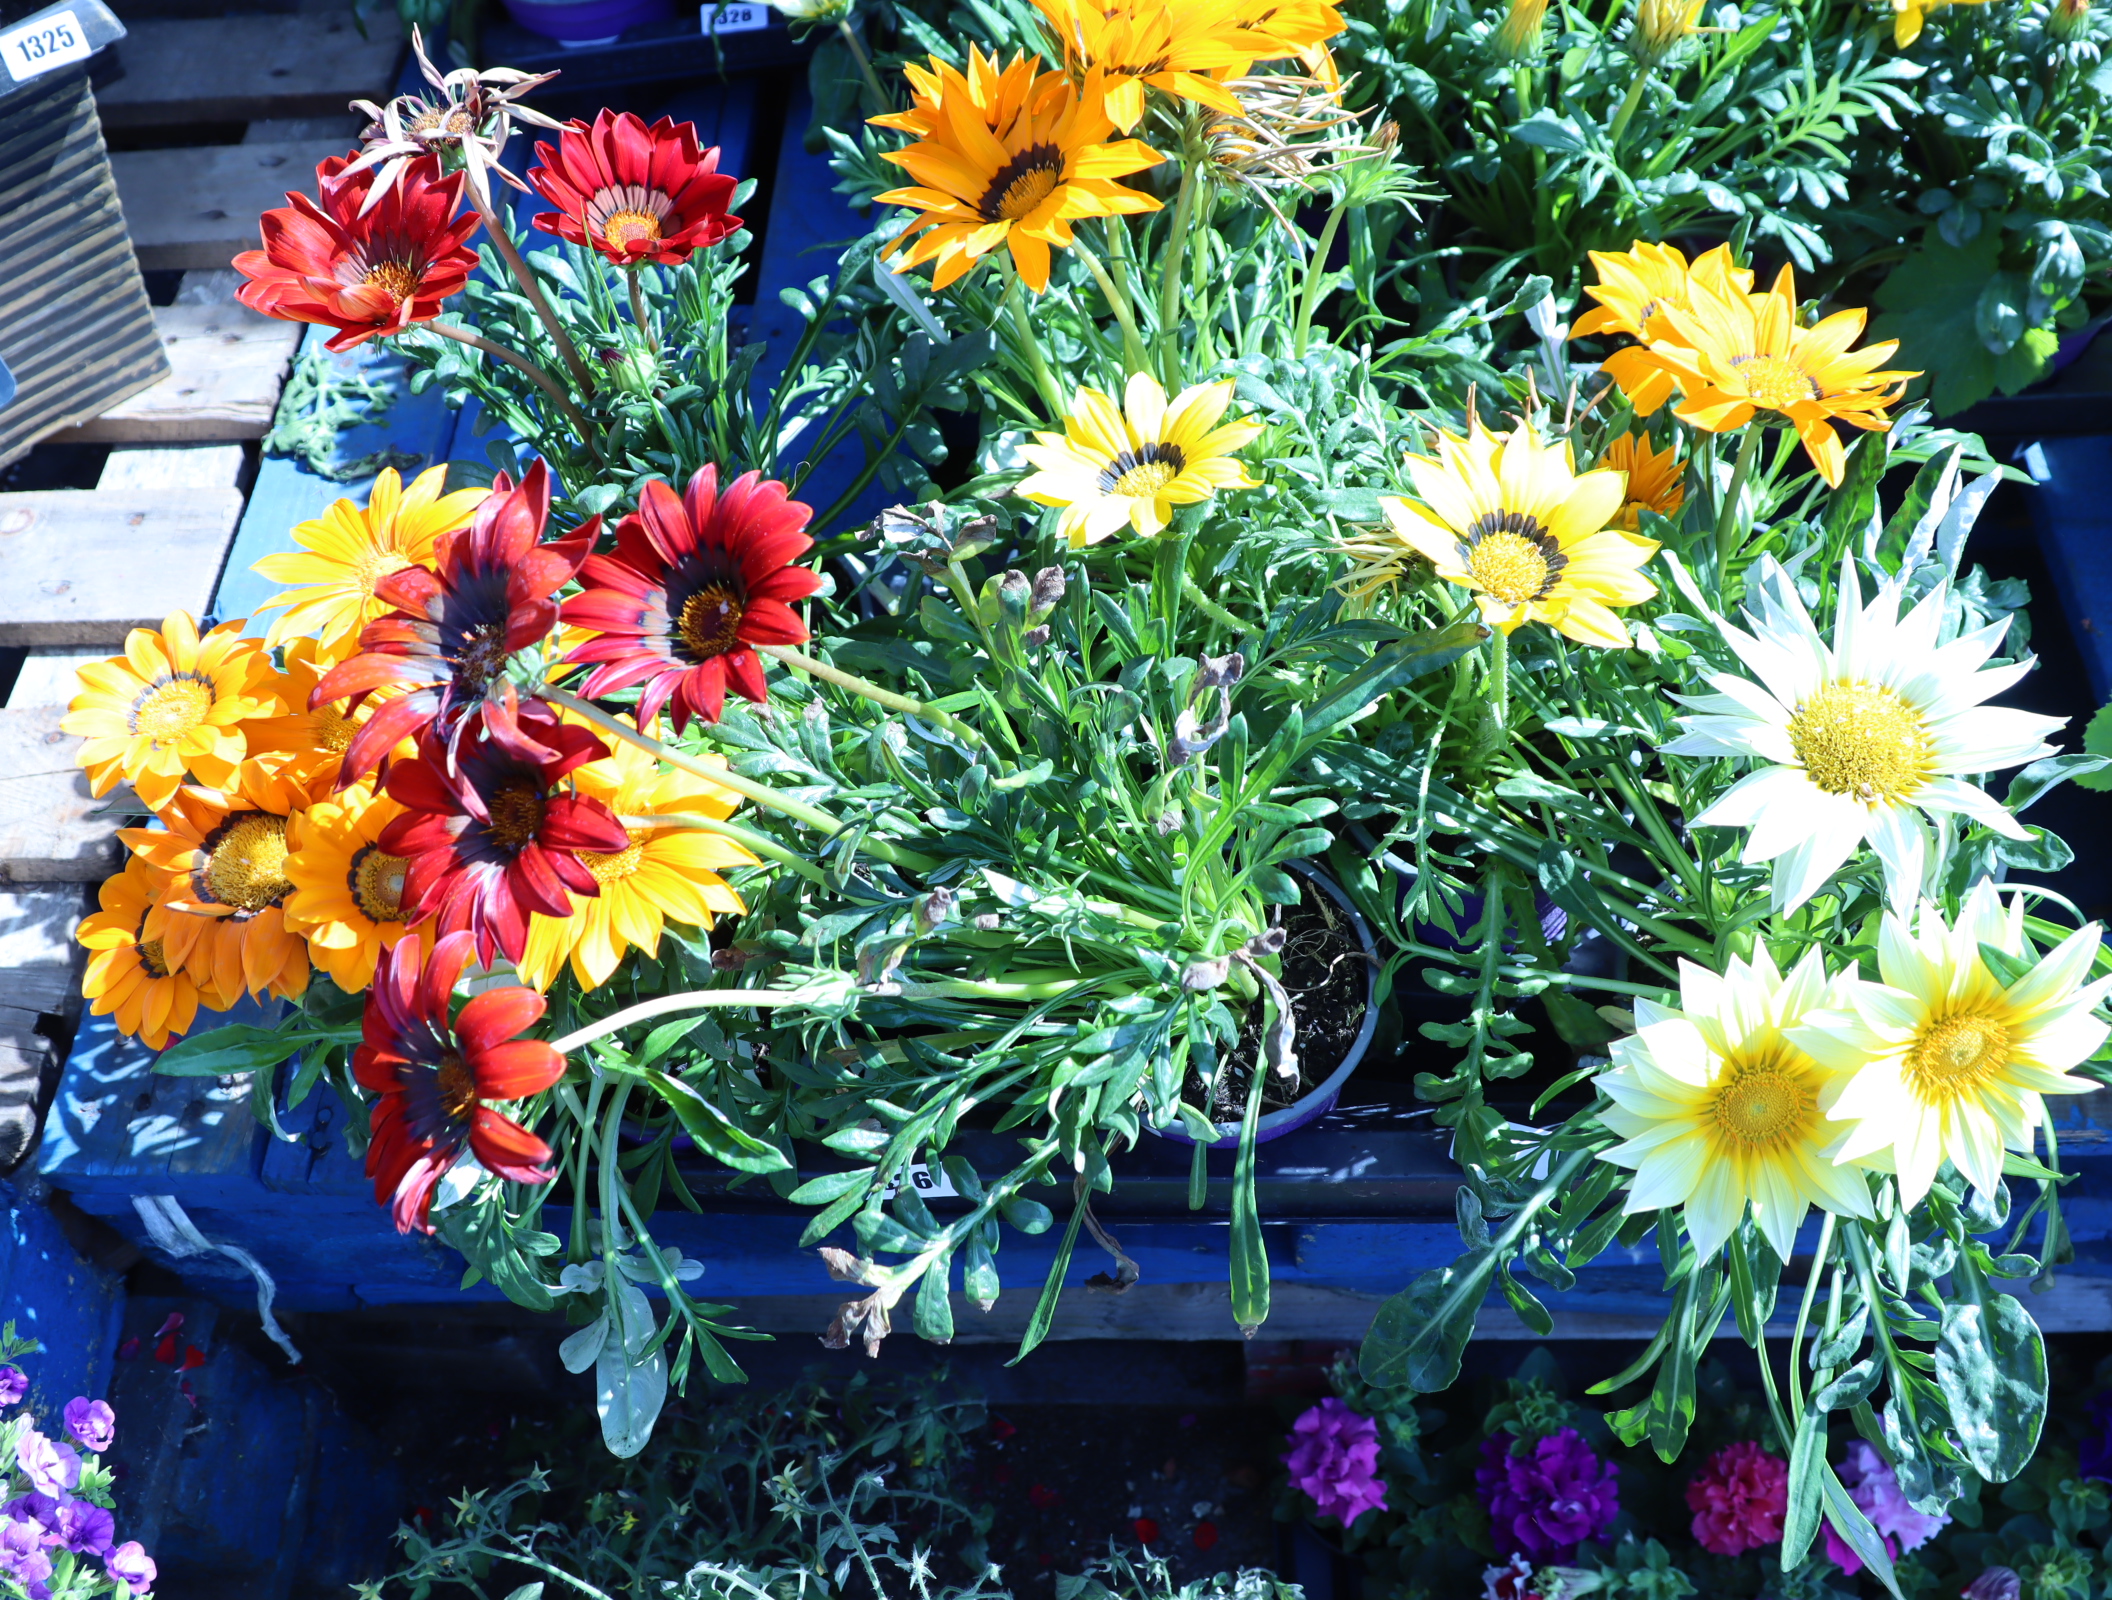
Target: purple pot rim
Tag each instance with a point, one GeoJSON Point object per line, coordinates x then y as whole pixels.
{"type": "Point", "coordinates": [586, 19]}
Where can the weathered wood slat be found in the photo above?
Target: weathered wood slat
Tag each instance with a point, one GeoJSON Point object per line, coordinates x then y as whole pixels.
{"type": "Point", "coordinates": [48, 677]}
{"type": "Point", "coordinates": [198, 206]}
{"type": "Point", "coordinates": [86, 566]}
{"type": "Point", "coordinates": [240, 69]}
{"type": "Point", "coordinates": [51, 829]}
{"type": "Point", "coordinates": [174, 466]}
{"type": "Point", "coordinates": [227, 366]}
{"type": "Point", "coordinates": [40, 964]}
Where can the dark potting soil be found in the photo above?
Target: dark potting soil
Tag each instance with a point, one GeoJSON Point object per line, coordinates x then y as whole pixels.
{"type": "Point", "coordinates": [1326, 974]}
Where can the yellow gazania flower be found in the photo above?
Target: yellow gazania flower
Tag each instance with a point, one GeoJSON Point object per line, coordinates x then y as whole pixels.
{"type": "Point", "coordinates": [1008, 158]}
{"type": "Point", "coordinates": [1946, 1061]}
{"type": "Point", "coordinates": [1719, 1109]}
{"type": "Point", "coordinates": [1180, 46]}
{"type": "Point", "coordinates": [129, 976]}
{"type": "Point", "coordinates": [1660, 25]}
{"type": "Point", "coordinates": [172, 703]}
{"type": "Point", "coordinates": [347, 897]}
{"type": "Point", "coordinates": [313, 742]}
{"type": "Point", "coordinates": [1132, 464]}
{"type": "Point", "coordinates": [222, 852]}
{"type": "Point", "coordinates": [1736, 353]}
{"type": "Point", "coordinates": [1654, 478]}
{"type": "Point", "coordinates": [1517, 37]}
{"type": "Point", "coordinates": [1302, 28]}
{"type": "Point", "coordinates": [1634, 288]}
{"type": "Point", "coordinates": [348, 548]}
{"type": "Point", "coordinates": [1908, 16]}
{"type": "Point", "coordinates": [1513, 520]}
{"type": "Point", "coordinates": [663, 873]}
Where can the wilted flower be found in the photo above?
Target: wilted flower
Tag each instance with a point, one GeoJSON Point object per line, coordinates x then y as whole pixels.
{"type": "Point", "coordinates": [1334, 1459]}
{"type": "Point", "coordinates": [1511, 1581]}
{"type": "Point", "coordinates": [1547, 1496]}
{"type": "Point", "coordinates": [1739, 1499]}
{"type": "Point", "coordinates": [471, 122]}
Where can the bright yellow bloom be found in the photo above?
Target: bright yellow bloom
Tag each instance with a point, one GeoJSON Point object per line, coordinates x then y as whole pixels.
{"type": "Point", "coordinates": [1948, 1062]}
{"type": "Point", "coordinates": [172, 703]}
{"type": "Point", "coordinates": [1635, 286]}
{"type": "Point", "coordinates": [346, 550]}
{"type": "Point", "coordinates": [1517, 37]}
{"type": "Point", "coordinates": [347, 898]}
{"type": "Point", "coordinates": [1720, 1109]}
{"type": "Point", "coordinates": [1733, 353]}
{"type": "Point", "coordinates": [1660, 25]}
{"type": "Point", "coordinates": [1132, 464]}
{"type": "Point", "coordinates": [1008, 158]}
{"type": "Point", "coordinates": [313, 742]}
{"type": "Point", "coordinates": [1180, 46]}
{"type": "Point", "coordinates": [663, 873]}
{"type": "Point", "coordinates": [1302, 28]}
{"type": "Point", "coordinates": [1654, 478]}
{"type": "Point", "coordinates": [1513, 520]}
{"type": "Point", "coordinates": [129, 976]}
{"type": "Point", "coordinates": [1908, 16]}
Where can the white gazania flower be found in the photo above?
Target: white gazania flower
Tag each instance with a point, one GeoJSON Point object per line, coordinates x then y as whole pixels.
{"type": "Point", "coordinates": [1859, 738]}
{"type": "Point", "coordinates": [1720, 1110]}
{"type": "Point", "coordinates": [1947, 1063]}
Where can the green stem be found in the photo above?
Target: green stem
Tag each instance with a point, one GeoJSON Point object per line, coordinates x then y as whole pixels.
{"type": "Point", "coordinates": [513, 358]}
{"type": "Point", "coordinates": [1023, 328]}
{"type": "Point", "coordinates": [1811, 1289]}
{"type": "Point", "coordinates": [638, 315]}
{"type": "Point", "coordinates": [748, 839]}
{"type": "Point", "coordinates": [1633, 99]}
{"type": "Point", "coordinates": [1522, 86]}
{"type": "Point", "coordinates": [1500, 678]}
{"type": "Point", "coordinates": [802, 662]}
{"type": "Point", "coordinates": [1727, 540]}
{"type": "Point", "coordinates": [1170, 282]}
{"type": "Point", "coordinates": [1133, 356]}
{"type": "Point", "coordinates": [1315, 273]}
{"type": "Point", "coordinates": [502, 241]}
{"type": "Point", "coordinates": [695, 1000]}
{"type": "Point", "coordinates": [865, 63]}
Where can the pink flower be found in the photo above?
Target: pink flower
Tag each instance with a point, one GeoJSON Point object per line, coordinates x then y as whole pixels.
{"type": "Point", "coordinates": [1512, 1581]}
{"type": "Point", "coordinates": [1334, 1458]}
{"type": "Point", "coordinates": [1739, 1499]}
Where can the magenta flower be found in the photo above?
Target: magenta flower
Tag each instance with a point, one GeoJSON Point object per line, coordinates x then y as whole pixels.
{"type": "Point", "coordinates": [130, 1564]}
{"type": "Point", "coordinates": [1511, 1581]}
{"type": "Point", "coordinates": [14, 1384]}
{"type": "Point", "coordinates": [1546, 1496]}
{"type": "Point", "coordinates": [1874, 1487]}
{"type": "Point", "coordinates": [1739, 1499]}
{"type": "Point", "coordinates": [1334, 1459]}
{"type": "Point", "coordinates": [91, 1422]}
{"type": "Point", "coordinates": [52, 1469]}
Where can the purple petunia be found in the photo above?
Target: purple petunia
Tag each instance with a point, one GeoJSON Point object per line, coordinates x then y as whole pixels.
{"type": "Point", "coordinates": [52, 1469]}
{"type": "Point", "coordinates": [1334, 1458]}
{"type": "Point", "coordinates": [22, 1552]}
{"type": "Point", "coordinates": [14, 1384]}
{"type": "Point", "coordinates": [91, 1422]}
{"type": "Point", "coordinates": [129, 1564]}
{"type": "Point", "coordinates": [1873, 1486]}
{"type": "Point", "coordinates": [1546, 1497]}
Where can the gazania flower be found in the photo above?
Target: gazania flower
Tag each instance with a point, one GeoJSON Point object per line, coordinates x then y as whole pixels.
{"type": "Point", "coordinates": [347, 898]}
{"type": "Point", "coordinates": [1517, 37]}
{"type": "Point", "coordinates": [697, 581]}
{"type": "Point", "coordinates": [223, 852]}
{"type": "Point", "coordinates": [634, 193]}
{"type": "Point", "coordinates": [1008, 158]}
{"type": "Point", "coordinates": [661, 873]}
{"type": "Point", "coordinates": [435, 1078]}
{"type": "Point", "coordinates": [1179, 46]}
{"type": "Point", "coordinates": [1132, 464]}
{"type": "Point", "coordinates": [1513, 520]}
{"type": "Point", "coordinates": [130, 976]}
{"type": "Point", "coordinates": [349, 548]}
{"type": "Point", "coordinates": [1654, 478]}
{"type": "Point", "coordinates": [1719, 1111]}
{"type": "Point", "coordinates": [1855, 741]}
{"type": "Point", "coordinates": [1660, 26]}
{"type": "Point", "coordinates": [1908, 17]}
{"type": "Point", "coordinates": [311, 737]}
{"type": "Point", "coordinates": [1946, 1061]}
{"type": "Point", "coordinates": [453, 629]}
{"type": "Point", "coordinates": [1634, 288]}
{"type": "Point", "coordinates": [1300, 28]}
{"type": "Point", "coordinates": [1737, 352]}
{"type": "Point", "coordinates": [467, 126]}
{"type": "Point", "coordinates": [366, 273]}
{"type": "Point", "coordinates": [172, 704]}
{"type": "Point", "coordinates": [492, 838]}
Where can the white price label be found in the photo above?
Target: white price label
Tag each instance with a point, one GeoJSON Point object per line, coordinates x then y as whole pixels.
{"type": "Point", "coordinates": [40, 46]}
{"type": "Point", "coordinates": [930, 1184]}
{"type": "Point", "coordinates": [734, 19]}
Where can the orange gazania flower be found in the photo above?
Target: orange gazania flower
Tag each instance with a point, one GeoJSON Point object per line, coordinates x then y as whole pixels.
{"type": "Point", "coordinates": [1182, 47]}
{"type": "Point", "coordinates": [347, 898]}
{"type": "Point", "coordinates": [634, 193]}
{"type": "Point", "coordinates": [1654, 479]}
{"type": "Point", "coordinates": [1634, 289]}
{"type": "Point", "coordinates": [130, 976]}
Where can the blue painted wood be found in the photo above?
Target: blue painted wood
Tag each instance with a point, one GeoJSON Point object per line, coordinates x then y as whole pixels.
{"type": "Point", "coordinates": [2072, 511]}
{"type": "Point", "coordinates": [54, 1296]}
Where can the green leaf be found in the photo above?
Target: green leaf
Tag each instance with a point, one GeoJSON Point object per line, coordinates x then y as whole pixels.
{"type": "Point", "coordinates": [2097, 741]}
{"type": "Point", "coordinates": [1931, 304]}
{"type": "Point", "coordinates": [2051, 771]}
{"type": "Point", "coordinates": [1389, 667]}
{"type": "Point", "coordinates": [1850, 1523]}
{"type": "Point", "coordinates": [933, 1318]}
{"type": "Point", "coordinates": [1991, 1366]}
{"type": "Point", "coordinates": [1051, 1290]}
{"type": "Point", "coordinates": [231, 1048]}
{"type": "Point", "coordinates": [1419, 1335]}
{"type": "Point", "coordinates": [831, 1186]}
{"type": "Point", "coordinates": [1807, 1459]}
{"type": "Point", "coordinates": [715, 1133]}
{"type": "Point", "coordinates": [1250, 1260]}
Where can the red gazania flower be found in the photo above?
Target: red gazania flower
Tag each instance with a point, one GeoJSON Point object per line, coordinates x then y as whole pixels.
{"type": "Point", "coordinates": [434, 1077]}
{"type": "Point", "coordinates": [365, 276]}
{"type": "Point", "coordinates": [453, 630]}
{"type": "Point", "coordinates": [696, 583]}
{"type": "Point", "coordinates": [634, 193]}
{"type": "Point", "coordinates": [486, 840]}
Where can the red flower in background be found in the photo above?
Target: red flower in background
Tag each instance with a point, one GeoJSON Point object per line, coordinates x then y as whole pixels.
{"type": "Point", "coordinates": [489, 841]}
{"type": "Point", "coordinates": [453, 631]}
{"type": "Point", "coordinates": [366, 276]}
{"type": "Point", "coordinates": [634, 193]}
{"type": "Point", "coordinates": [434, 1077]}
{"type": "Point", "coordinates": [696, 583]}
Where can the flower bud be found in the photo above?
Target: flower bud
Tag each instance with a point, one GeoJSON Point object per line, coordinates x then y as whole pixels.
{"type": "Point", "coordinates": [1660, 25]}
{"type": "Point", "coordinates": [1048, 592]}
{"type": "Point", "coordinates": [935, 908]}
{"type": "Point", "coordinates": [1517, 37]}
{"type": "Point", "coordinates": [2068, 20]}
{"type": "Point", "coordinates": [1014, 595]}
{"type": "Point", "coordinates": [1996, 1583]}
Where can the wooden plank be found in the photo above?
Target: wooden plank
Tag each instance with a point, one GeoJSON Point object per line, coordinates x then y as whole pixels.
{"type": "Point", "coordinates": [345, 128]}
{"type": "Point", "coordinates": [40, 964]}
{"type": "Point", "coordinates": [177, 466]}
{"type": "Point", "coordinates": [86, 566]}
{"type": "Point", "coordinates": [48, 677]}
{"type": "Point", "coordinates": [227, 366]}
{"type": "Point", "coordinates": [240, 69]}
{"type": "Point", "coordinates": [198, 206]}
{"type": "Point", "coordinates": [51, 829]}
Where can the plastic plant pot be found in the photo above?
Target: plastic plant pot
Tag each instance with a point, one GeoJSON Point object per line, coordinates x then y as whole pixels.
{"type": "Point", "coordinates": [581, 23]}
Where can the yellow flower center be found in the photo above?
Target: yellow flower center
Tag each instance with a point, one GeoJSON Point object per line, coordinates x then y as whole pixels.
{"type": "Point", "coordinates": [331, 729]}
{"type": "Point", "coordinates": [516, 815]}
{"type": "Point", "coordinates": [1761, 1106]}
{"type": "Point", "coordinates": [710, 621]}
{"type": "Point", "coordinates": [1863, 740]}
{"type": "Point", "coordinates": [615, 868]}
{"type": "Point", "coordinates": [376, 881]}
{"type": "Point", "coordinates": [169, 708]}
{"type": "Point", "coordinates": [1954, 1056]}
{"type": "Point", "coordinates": [1022, 183]}
{"type": "Point", "coordinates": [1775, 381]}
{"type": "Point", "coordinates": [1511, 556]}
{"type": "Point", "coordinates": [243, 863]}
{"type": "Point", "coordinates": [1142, 474]}
{"type": "Point", "coordinates": [627, 227]}
{"type": "Point", "coordinates": [153, 958]}
{"type": "Point", "coordinates": [373, 564]}
{"type": "Point", "coordinates": [458, 1088]}
{"type": "Point", "coordinates": [394, 278]}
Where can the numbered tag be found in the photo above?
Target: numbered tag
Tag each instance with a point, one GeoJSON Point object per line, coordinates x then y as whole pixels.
{"type": "Point", "coordinates": [734, 18]}
{"type": "Point", "coordinates": [43, 45]}
{"type": "Point", "coordinates": [929, 1184]}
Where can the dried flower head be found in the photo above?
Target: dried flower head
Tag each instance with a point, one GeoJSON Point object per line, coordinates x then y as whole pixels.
{"type": "Point", "coordinates": [466, 127]}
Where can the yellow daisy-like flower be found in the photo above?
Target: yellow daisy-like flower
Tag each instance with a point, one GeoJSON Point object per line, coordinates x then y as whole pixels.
{"type": "Point", "coordinates": [349, 548]}
{"type": "Point", "coordinates": [1945, 1061]}
{"type": "Point", "coordinates": [1513, 520]}
{"type": "Point", "coordinates": [1740, 353]}
{"type": "Point", "coordinates": [312, 742]}
{"type": "Point", "coordinates": [1908, 17]}
{"type": "Point", "coordinates": [1008, 158]}
{"type": "Point", "coordinates": [172, 704]}
{"type": "Point", "coordinates": [1132, 464]}
{"type": "Point", "coordinates": [347, 897]}
{"type": "Point", "coordinates": [1635, 286]}
{"type": "Point", "coordinates": [129, 975]}
{"type": "Point", "coordinates": [1302, 28]}
{"type": "Point", "coordinates": [1654, 478]}
{"type": "Point", "coordinates": [1179, 46]}
{"type": "Point", "coordinates": [663, 873]}
{"type": "Point", "coordinates": [1720, 1109]}
{"type": "Point", "coordinates": [222, 854]}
